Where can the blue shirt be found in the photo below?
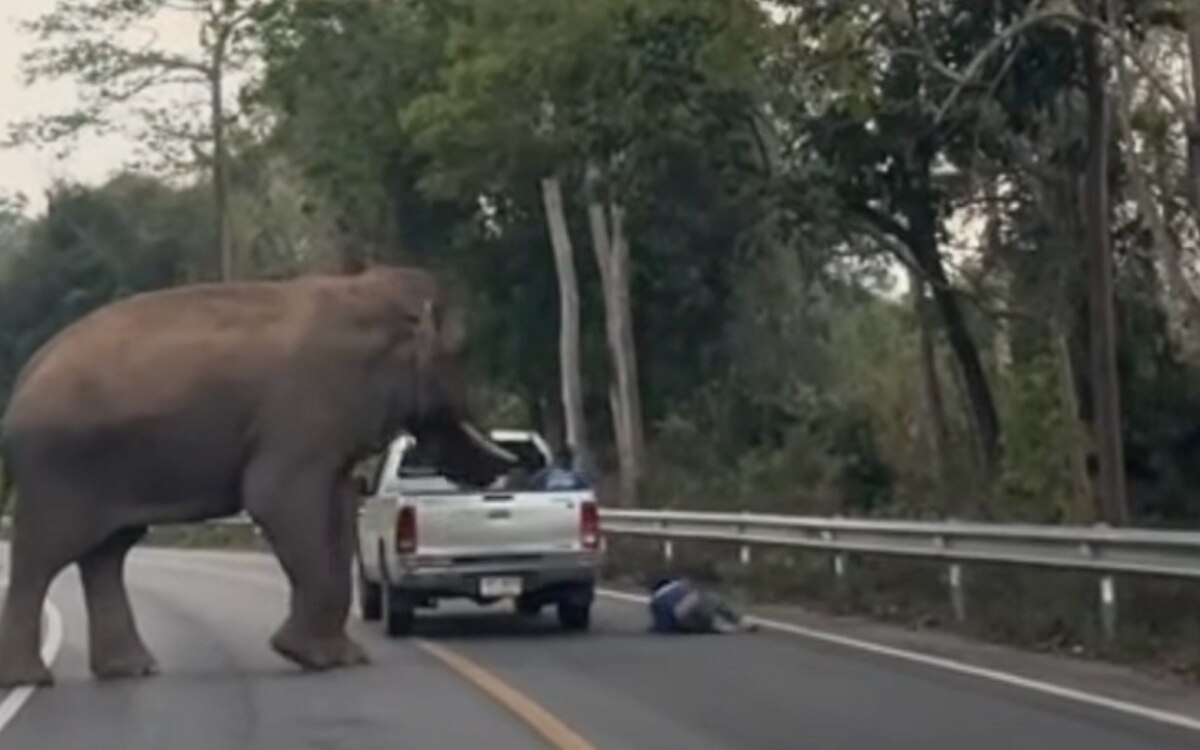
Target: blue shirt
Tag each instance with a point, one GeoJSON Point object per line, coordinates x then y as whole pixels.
{"type": "Point", "coordinates": [664, 603]}
{"type": "Point", "coordinates": [556, 478]}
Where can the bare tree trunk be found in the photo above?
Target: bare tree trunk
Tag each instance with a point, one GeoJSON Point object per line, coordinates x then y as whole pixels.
{"type": "Point", "coordinates": [922, 241]}
{"type": "Point", "coordinates": [1084, 507]}
{"type": "Point", "coordinates": [220, 170]}
{"type": "Point", "coordinates": [628, 384]}
{"type": "Point", "coordinates": [621, 433]}
{"type": "Point", "coordinates": [1102, 316]}
{"type": "Point", "coordinates": [1179, 291]}
{"type": "Point", "coordinates": [607, 221]}
{"type": "Point", "coordinates": [931, 390]}
{"type": "Point", "coordinates": [568, 335]}
{"type": "Point", "coordinates": [1192, 19]}
{"type": "Point", "coordinates": [982, 407]}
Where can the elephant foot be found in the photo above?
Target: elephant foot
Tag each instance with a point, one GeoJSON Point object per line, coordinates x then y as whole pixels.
{"type": "Point", "coordinates": [137, 663]}
{"type": "Point", "coordinates": [28, 672]}
{"type": "Point", "coordinates": [316, 654]}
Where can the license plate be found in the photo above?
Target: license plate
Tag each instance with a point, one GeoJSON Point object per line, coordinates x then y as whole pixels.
{"type": "Point", "coordinates": [501, 586]}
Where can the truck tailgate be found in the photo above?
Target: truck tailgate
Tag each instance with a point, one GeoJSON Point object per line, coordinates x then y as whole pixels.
{"type": "Point", "coordinates": [497, 524]}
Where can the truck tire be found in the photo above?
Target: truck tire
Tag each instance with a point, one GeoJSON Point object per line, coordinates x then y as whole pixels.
{"type": "Point", "coordinates": [574, 616]}
{"type": "Point", "coordinates": [399, 612]}
{"type": "Point", "coordinates": [370, 597]}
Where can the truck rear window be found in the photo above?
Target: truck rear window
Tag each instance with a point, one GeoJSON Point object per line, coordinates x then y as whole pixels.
{"type": "Point", "coordinates": [418, 469]}
{"type": "Point", "coordinates": [526, 452]}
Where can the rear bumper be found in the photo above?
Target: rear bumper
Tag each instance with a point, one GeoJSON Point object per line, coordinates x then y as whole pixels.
{"type": "Point", "coordinates": [430, 578]}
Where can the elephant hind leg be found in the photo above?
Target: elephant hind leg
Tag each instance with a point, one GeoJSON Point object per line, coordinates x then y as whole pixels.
{"type": "Point", "coordinates": [115, 646]}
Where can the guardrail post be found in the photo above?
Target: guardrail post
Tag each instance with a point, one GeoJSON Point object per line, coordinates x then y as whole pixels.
{"type": "Point", "coordinates": [1108, 596]}
{"type": "Point", "coordinates": [958, 598]}
{"type": "Point", "coordinates": [839, 576]}
{"type": "Point", "coordinates": [744, 550]}
{"type": "Point", "coordinates": [954, 576]}
{"type": "Point", "coordinates": [668, 549]}
{"type": "Point", "coordinates": [1108, 608]}
{"type": "Point", "coordinates": [839, 562]}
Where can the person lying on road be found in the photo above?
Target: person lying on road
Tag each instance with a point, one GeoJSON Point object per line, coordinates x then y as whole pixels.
{"type": "Point", "coordinates": [679, 606]}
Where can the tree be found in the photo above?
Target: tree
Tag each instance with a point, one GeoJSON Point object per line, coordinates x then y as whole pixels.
{"type": "Point", "coordinates": [868, 122]}
{"type": "Point", "coordinates": [1102, 328]}
{"type": "Point", "coordinates": [667, 75]}
{"type": "Point", "coordinates": [94, 245]}
{"type": "Point", "coordinates": [95, 44]}
{"type": "Point", "coordinates": [492, 128]}
{"type": "Point", "coordinates": [600, 100]}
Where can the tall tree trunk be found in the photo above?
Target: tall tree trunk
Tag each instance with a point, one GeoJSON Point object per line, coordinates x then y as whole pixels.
{"type": "Point", "coordinates": [625, 350]}
{"type": "Point", "coordinates": [1102, 316]}
{"type": "Point", "coordinates": [924, 246]}
{"type": "Point", "coordinates": [1192, 19]}
{"type": "Point", "coordinates": [569, 359]}
{"type": "Point", "coordinates": [934, 409]}
{"type": "Point", "coordinates": [611, 246]}
{"type": "Point", "coordinates": [220, 165]}
{"type": "Point", "coordinates": [1182, 306]}
{"type": "Point", "coordinates": [1084, 507]}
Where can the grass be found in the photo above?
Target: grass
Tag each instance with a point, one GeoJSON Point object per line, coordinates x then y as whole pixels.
{"type": "Point", "coordinates": [203, 535]}
{"type": "Point", "coordinates": [200, 535]}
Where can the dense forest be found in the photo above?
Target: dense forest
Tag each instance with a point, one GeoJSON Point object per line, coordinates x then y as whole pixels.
{"type": "Point", "coordinates": [896, 257]}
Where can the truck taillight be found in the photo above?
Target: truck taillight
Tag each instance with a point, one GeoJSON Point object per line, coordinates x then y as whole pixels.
{"type": "Point", "coordinates": [406, 530]}
{"type": "Point", "coordinates": [589, 525]}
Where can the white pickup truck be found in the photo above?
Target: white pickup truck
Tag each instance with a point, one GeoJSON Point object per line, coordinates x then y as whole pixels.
{"type": "Point", "coordinates": [422, 538]}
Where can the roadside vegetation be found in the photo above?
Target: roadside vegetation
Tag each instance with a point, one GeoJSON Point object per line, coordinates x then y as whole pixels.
{"type": "Point", "coordinates": [899, 259]}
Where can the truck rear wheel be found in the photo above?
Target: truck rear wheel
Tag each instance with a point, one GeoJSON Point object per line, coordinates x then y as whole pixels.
{"type": "Point", "coordinates": [370, 597]}
{"type": "Point", "coordinates": [399, 612]}
{"type": "Point", "coordinates": [575, 607]}
{"type": "Point", "coordinates": [574, 616]}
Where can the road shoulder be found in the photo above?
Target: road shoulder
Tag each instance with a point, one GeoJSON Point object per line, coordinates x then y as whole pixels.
{"type": "Point", "coordinates": [1105, 682]}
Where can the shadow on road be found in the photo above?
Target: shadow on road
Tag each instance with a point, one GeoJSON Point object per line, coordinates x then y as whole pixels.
{"type": "Point", "coordinates": [482, 623]}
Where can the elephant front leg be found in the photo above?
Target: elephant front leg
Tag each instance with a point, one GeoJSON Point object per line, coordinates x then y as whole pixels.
{"type": "Point", "coordinates": [20, 660]}
{"type": "Point", "coordinates": [308, 524]}
{"type": "Point", "coordinates": [43, 544]}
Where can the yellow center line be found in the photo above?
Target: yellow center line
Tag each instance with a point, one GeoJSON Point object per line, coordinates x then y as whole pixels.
{"type": "Point", "coordinates": [547, 725]}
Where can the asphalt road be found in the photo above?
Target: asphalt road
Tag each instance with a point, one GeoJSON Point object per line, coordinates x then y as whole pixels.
{"type": "Point", "coordinates": [208, 617]}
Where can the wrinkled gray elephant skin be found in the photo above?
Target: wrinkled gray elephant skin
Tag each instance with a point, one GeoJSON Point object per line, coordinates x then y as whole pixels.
{"type": "Point", "coordinates": [199, 401]}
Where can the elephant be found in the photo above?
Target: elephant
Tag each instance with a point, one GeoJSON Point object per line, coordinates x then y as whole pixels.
{"type": "Point", "coordinates": [208, 399]}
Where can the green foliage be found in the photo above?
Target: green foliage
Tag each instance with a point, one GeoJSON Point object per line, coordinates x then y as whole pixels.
{"type": "Point", "coordinates": [779, 174]}
{"type": "Point", "coordinates": [93, 246]}
{"type": "Point", "coordinates": [1035, 484]}
{"type": "Point", "coordinates": [336, 81]}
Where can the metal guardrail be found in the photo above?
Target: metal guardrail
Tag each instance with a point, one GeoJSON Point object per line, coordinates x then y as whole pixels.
{"type": "Point", "coordinates": [1104, 551]}
{"type": "Point", "coordinates": [1095, 549]}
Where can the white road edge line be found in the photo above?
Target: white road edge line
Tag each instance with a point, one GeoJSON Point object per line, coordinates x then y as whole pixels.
{"type": "Point", "coordinates": [1005, 678]}
{"type": "Point", "coordinates": [53, 641]}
